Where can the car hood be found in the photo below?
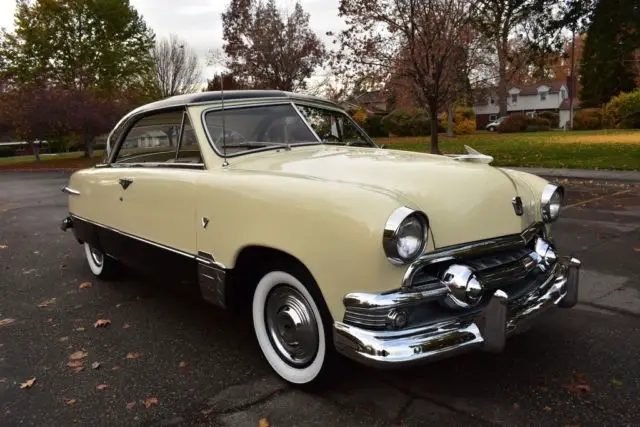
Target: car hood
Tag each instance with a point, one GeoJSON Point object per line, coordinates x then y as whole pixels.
{"type": "Point", "coordinates": [464, 201]}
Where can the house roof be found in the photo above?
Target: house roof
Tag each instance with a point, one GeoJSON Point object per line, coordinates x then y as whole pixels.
{"type": "Point", "coordinates": [366, 99]}
{"type": "Point", "coordinates": [564, 105]}
{"type": "Point", "coordinates": [481, 95]}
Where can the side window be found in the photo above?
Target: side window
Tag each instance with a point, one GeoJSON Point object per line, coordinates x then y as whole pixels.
{"type": "Point", "coordinates": [152, 139]}
{"type": "Point", "coordinates": [189, 149]}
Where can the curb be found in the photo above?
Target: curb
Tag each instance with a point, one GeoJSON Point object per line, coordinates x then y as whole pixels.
{"type": "Point", "coordinates": [596, 175]}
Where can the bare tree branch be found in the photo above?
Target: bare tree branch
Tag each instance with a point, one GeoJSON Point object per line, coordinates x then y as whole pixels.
{"type": "Point", "coordinates": [177, 67]}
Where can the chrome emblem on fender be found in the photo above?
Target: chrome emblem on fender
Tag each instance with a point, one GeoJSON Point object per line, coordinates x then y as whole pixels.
{"type": "Point", "coordinates": [517, 205]}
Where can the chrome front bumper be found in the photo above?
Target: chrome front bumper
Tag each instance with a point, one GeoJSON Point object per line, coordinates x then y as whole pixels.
{"type": "Point", "coordinates": [487, 331]}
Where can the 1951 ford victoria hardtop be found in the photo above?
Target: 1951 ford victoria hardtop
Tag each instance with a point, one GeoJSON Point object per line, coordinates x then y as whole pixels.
{"type": "Point", "coordinates": [282, 204]}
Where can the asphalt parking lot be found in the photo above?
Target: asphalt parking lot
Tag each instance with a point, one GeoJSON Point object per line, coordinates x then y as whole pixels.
{"type": "Point", "coordinates": [167, 359]}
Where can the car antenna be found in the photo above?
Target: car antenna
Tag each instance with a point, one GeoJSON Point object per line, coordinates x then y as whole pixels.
{"type": "Point", "coordinates": [225, 163]}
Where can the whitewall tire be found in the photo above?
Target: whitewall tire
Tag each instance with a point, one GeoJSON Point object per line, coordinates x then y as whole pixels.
{"type": "Point", "coordinates": [289, 328]}
{"type": "Point", "coordinates": [101, 265]}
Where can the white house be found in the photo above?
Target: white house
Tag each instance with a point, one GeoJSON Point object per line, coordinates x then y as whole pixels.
{"type": "Point", "coordinates": [528, 99]}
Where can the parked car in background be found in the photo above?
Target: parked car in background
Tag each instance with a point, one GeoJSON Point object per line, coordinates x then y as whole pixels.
{"type": "Point", "coordinates": [493, 126]}
{"type": "Point", "coordinates": [281, 204]}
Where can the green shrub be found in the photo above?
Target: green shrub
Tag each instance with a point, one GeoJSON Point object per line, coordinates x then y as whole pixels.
{"type": "Point", "coordinates": [588, 119]}
{"type": "Point", "coordinates": [408, 122]}
{"type": "Point", "coordinates": [375, 126]}
{"type": "Point", "coordinates": [551, 117]}
{"type": "Point", "coordinates": [7, 152]}
{"type": "Point", "coordinates": [464, 121]}
{"type": "Point", "coordinates": [630, 111]}
{"type": "Point", "coordinates": [514, 123]}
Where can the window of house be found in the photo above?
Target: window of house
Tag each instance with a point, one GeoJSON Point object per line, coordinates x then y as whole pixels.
{"type": "Point", "coordinates": [493, 117]}
{"type": "Point", "coordinates": [152, 139]}
{"type": "Point", "coordinates": [543, 96]}
{"type": "Point", "coordinates": [514, 98]}
{"type": "Point", "coordinates": [492, 101]}
{"type": "Point", "coordinates": [563, 93]}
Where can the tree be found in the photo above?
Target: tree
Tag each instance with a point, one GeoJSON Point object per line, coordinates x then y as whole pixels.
{"type": "Point", "coordinates": [86, 44]}
{"type": "Point", "coordinates": [226, 81]}
{"type": "Point", "coordinates": [608, 64]}
{"type": "Point", "coordinates": [177, 67]}
{"type": "Point", "coordinates": [502, 21]}
{"type": "Point", "coordinates": [268, 50]}
{"type": "Point", "coordinates": [422, 43]}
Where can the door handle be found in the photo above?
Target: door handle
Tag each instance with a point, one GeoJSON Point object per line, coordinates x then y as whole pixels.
{"type": "Point", "coordinates": [125, 182]}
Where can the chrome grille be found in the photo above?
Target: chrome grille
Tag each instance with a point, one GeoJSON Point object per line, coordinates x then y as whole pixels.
{"type": "Point", "coordinates": [369, 318]}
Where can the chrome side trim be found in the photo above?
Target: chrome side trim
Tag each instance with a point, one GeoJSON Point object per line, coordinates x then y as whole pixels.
{"type": "Point", "coordinates": [70, 191]}
{"type": "Point", "coordinates": [472, 248]}
{"type": "Point", "coordinates": [211, 279]}
{"type": "Point", "coordinates": [158, 245]}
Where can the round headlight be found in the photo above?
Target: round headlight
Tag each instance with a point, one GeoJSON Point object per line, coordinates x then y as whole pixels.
{"type": "Point", "coordinates": [405, 235]}
{"type": "Point", "coordinates": [552, 197]}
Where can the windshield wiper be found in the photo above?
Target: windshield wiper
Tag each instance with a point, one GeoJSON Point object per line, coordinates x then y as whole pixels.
{"type": "Point", "coordinates": [357, 143]}
{"type": "Point", "coordinates": [257, 144]}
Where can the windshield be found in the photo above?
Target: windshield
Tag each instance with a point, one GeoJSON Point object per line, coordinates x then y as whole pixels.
{"type": "Point", "coordinates": [270, 126]}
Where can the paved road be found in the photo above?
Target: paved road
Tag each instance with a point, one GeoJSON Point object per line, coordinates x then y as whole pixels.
{"type": "Point", "coordinates": [576, 367]}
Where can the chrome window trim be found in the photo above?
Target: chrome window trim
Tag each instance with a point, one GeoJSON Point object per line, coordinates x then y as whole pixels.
{"type": "Point", "coordinates": [472, 248]}
{"type": "Point", "coordinates": [545, 200]}
{"type": "Point", "coordinates": [235, 106]}
{"type": "Point", "coordinates": [389, 235]}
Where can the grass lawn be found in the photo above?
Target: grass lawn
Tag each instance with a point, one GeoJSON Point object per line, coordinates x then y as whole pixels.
{"type": "Point", "coordinates": [605, 149]}
{"type": "Point", "coordinates": [73, 160]}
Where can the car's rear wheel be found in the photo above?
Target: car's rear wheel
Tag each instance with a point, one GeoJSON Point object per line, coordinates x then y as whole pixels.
{"type": "Point", "coordinates": [492, 128]}
{"type": "Point", "coordinates": [292, 328]}
{"type": "Point", "coordinates": [101, 264]}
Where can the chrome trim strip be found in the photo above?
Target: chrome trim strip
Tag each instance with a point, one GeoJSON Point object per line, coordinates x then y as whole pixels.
{"type": "Point", "coordinates": [394, 299]}
{"type": "Point", "coordinates": [487, 330]}
{"type": "Point", "coordinates": [70, 191]}
{"type": "Point", "coordinates": [159, 245]}
{"type": "Point", "coordinates": [472, 248]}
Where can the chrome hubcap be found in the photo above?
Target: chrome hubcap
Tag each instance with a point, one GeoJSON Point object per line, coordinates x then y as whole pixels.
{"type": "Point", "coordinates": [291, 326]}
{"type": "Point", "coordinates": [97, 256]}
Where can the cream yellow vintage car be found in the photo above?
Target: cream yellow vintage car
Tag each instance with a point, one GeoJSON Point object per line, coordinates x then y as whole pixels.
{"type": "Point", "coordinates": [281, 204]}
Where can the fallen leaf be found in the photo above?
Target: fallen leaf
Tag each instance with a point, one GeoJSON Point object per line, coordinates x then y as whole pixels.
{"type": "Point", "coordinates": [70, 401]}
{"type": "Point", "coordinates": [578, 383]}
{"type": "Point", "coordinates": [584, 388]}
{"type": "Point", "coordinates": [206, 412]}
{"type": "Point", "coordinates": [75, 363]}
{"type": "Point", "coordinates": [78, 355]}
{"type": "Point", "coordinates": [130, 405]}
{"type": "Point", "coordinates": [29, 383]}
{"type": "Point", "coordinates": [85, 285]}
{"type": "Point", "coordinates": [133, 355]}
{"type": "Point", "coordinates": [63, 339]}
{"type": "Point", "coordinates": [126, 326]}
{"type": "Point", "coordinates": [182, 364]}
{"type": "Point", "coordinates": [616, 382]}
{"type": "Point", "coordinates": [102, 323]}
{"type": "Point", "coordinates": [516, 406]}
{"type": "Point", "coordinates": [3, 246]}
{"type": "Point", "coordinates": [547, 408]}
{"type": "Point", "coordinates": [80, 329]}
{"type": "Point", "coordinates": [115, 368]}
{"type": "Point", "coordinates": [102, 387]}
{"type": "Point", "coordinates": [7, 321]}
{"type": "Point", "coordinates": [637, 249]}
{"type": "Point", "coordinates": [3, 380]}
{"type": "Point", "coordinates": [47, 303]}
{"type": "Point", "coordinates": [263, 423]}
{"type": "Point", "coordinates": [95, 365]}
{"type": "Point", "coordinates": [150, 401]}
{"type": "Point", "coordinates": [31, 270]}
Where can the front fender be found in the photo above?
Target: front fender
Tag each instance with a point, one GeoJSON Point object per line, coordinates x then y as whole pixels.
{"type": "Point", "coordinates": [334, 229]}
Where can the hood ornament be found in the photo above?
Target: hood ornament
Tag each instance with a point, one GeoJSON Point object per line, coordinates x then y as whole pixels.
{"type": "Point", "coordinates": [472, 156]}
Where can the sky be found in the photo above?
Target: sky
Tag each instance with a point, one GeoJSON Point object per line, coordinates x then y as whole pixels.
{"type": "Point", "coordinates": [198, 22]}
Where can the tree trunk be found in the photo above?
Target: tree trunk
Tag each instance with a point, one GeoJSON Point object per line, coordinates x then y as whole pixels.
{"type": "Point", "coordinates": [502, 76]}
{"type": "Point", "coordinates": [450, 120]}
{"type": "Point", "coordinates": [433, 114]}
{"type": "Point", "coordinates": [88, 147]}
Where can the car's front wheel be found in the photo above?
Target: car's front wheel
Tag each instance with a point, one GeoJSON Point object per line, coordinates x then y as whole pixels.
{"type": "Point", "coordinates": [289, 326]}
{"type": "Point", "coordinates": [101, 265]}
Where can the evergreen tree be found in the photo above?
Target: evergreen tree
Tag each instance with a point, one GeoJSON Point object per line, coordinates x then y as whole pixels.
{"type": "Point", "coordinates": [608, 65]}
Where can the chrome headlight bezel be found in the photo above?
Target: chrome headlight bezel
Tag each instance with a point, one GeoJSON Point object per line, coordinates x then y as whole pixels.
{"type": "Point", "coordinates": [390, 236]}
{"type": "Point", "coordinates": [546, 201]}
